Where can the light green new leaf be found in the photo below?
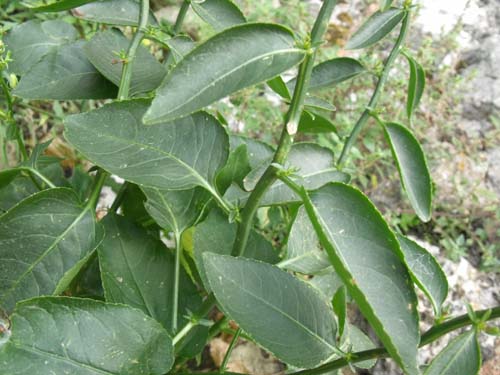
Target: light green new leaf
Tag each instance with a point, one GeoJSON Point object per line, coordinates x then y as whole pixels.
{"type": "Point", "coordinates": [65, 73]}
{"type": "Point", "coordinates": [175, 210]}
{"type": "Point", "coordinates": [426, 272]}
{"type": "Point", "coordinates": [313, 166]}
{"type": "Point", "coordinates": [28, 42]}
{"type": "Point", "coordinates": [220, 14]}
{"type": "Point", "coordinates": [60, 335]}
{"type": "Point", "coordinates": [331, 73]}
{"type": "Point", "coordinates": [138, 270]}
{"type": "Point", "coordinates": [216, 235]}
{"type": "Point", "coordinates": [113, 12]}
{"type": "Point", "coordinates": [55, 5]}
{"type": "Point", "coordinates": [43, 239]}
{"type": "Point", "coordinates": [220, 66]}
{"type": "Point", "coordinates": [366, 255]}
{"type": "Point", "coordinates": [177, 156]}
{"type": "Point", "coordinates": [314, 123]}
{"type": "Point", "coordinates": [376, 28]}
{"type": "Point", "coordinates": [303, 251]}
{"type": "Point", "coordinates": [461, 356]}
{"type": "Point", "coordinates": [102, 51]}
{"type": "Point", "coordinates": [412, 166]}
{"type": "Point", "coordinates": [416, 86]}
{"type": "Point", "coordinates": [241, 287]}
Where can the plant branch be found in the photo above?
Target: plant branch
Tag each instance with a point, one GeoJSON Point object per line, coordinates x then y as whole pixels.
{"type": "Point", "coordinates": [177, 271]}
{"type": "Point", "coordinates": [225, 361]}
{"type": "Point", "coordinates": [290, 128]}
{"type": "Point", "coordinates": [205, 308]}
{"type": "Point", "coordinates": [177, 27]}
{"type": "Point", "coordinates": [396, 50]}
{"type": "Point", "coordinates": [100, 178]}
{"type": "Point", "coordinates": [123, 91]}
{"type": "Point", "coordinates": [10, 109]}
{"type": "Point", "coordinates": [34, 173]}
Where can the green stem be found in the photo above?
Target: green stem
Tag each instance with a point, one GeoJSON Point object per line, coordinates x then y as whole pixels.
{"type": "Point", "coordinates": [119, 197]}
{"type": "Point", "coordinates": [100, 178]}
{"type": "Point", "coordinates": [428, 337]}
{"type": "Point", "coordinates": [290, 128]}
{"type": "Point", "coordinates": [177, 27]}
{"type": "Point", "coordinates": [34, 173]}
{"type": "Point", "coordinates": [10, 109]}
{"type": "Point", "coordinates": [396, 50]}
{"type": "Point", "coordinates": [205, 308]}
{"type": "Point", "coordinates": [225, 361]}
{"type": "Point", "coordinates": [177, 270]}
{"type": "Point", "coordinates": [123, 91]}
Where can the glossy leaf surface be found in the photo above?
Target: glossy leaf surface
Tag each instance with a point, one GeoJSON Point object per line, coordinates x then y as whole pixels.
{"type": "Point", "coordinates": [147, 73]}
{"type": "Point", "coordinates": [367, 257]}
{"type": "Point", "coordinates": [426, 272]}
{"type": "Point", "coordinates": [375, 28]}
{"type": "Point", "coordinates": [65, 73]}
{"type": "Point", "coordinates": [28, 42]}
{"type": "Point", "coordinates": [412, 166]}
{"type": "Point", "coordinates": [138, 270]}
{"type": "Point", "coordinates": [179, 155]}
{"type": "Point", "coordinates": [113, 12]}
{"type": "Point", "coordinates": [461, 356]}
{"type": "Point", "coordinates": [220, 67]}
{"type": "Point", "coordinates": [220, 14]}
{"type": "Point", "coordinates": [41, 239]}
{"type": "Point", "coordinates": [60, 335]}
{"type": "Point", "coordinates": [291, 305]}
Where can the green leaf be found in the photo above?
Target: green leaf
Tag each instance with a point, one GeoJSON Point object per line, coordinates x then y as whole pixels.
{"type": "Point", "coordinates": [315, 103]}
{"type": "Point", "coordinates": [242, 288]}
{"type": "Point", "coordinates": [376, 28]}
{"type": "Point", "coordinates": [64, 73]}
{"type": "Point", "coordinates": [216, 235]}
{"type": "Point", "coordinates": [412, 166]}
{"type": "Point", "coordinates": [42, 239]}
{"type": "Point", "coordinates": [385, 4]}
{"type": "Point", "coordinates": [175, 210]}
{"type": "Point", "coordinates": [426, 272]}
{"type": "Point", "coordinates": [314, 123]}
{"type": "Point", "coordinates": [366, 255]}
{"type": "Point", "coordinates": [461, 356]}
{"type": "Point", "coordinates": [331, 73]}
{"type": "Point", "coordinates": [358, 341]}
{"type": "Point", "coordinates": [303, 251]}
{"type": "Point", "coordinates": [103, 50]}
{"type": "Point", "coordinates": [258, 151]}
{"type": "Point", "coordinates": [57, 5]}
{"type": "Point", "coordinates": [220, 14]}
{"type": "Point", "coordinates": [28, 42]}
{"type": "Point", "coordinates": [113, 12]}
{"type": "Point", "coordinates": [314, 166]}
{"type": "Point", "coordinates": [279, 87]}
{"type": "Point", "coordinates": [328, 282]}
{"type": "Point", "coordinates": [219, 67]}
{"type": "Point", "coordinates": [179, 155]}
{"type": "Point", "coordinates": [138, 270]}
{"type": "Point", "coordinates": [416, 85]}
{"type": "Point", "coordinates": [180, 46]}
{"type": "Point", "coordinates": [60, 335]}
{"type": "Point", "coordinates": [340, 308]}
{"type": "Point", "coordinates": [237, 167]}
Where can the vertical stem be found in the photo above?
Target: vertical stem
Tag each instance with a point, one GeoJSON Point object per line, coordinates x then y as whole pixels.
{"type": "Point", "coordinates": [123, 91]}
{"type": "Point", "coordinates": [177, 27]}
{"type": "Point", "coordinates": [396, 50]}
{"type": "Point", "coordinates": [10, 109]}
{"type": "Point", "coordinates": [96, 189]}
{"type": "Point", "coordinates": [225, 361]}
{"type": "Point", "coordinates": [177, 270]}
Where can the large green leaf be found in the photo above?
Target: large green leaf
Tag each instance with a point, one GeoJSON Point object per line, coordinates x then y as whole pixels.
{"type": "Point", "coordinates": [138, 270]}
{"type": "Point", "coordinates": [366, 255]}
{"type": "Point", "coordinates": [216, 235]}
{"type": "Point", "coordinates": [332, 72]}
{"type": "Point", "coordinates": [412, 166]}
{"type": "Point", "coordinates": [55, 5]}
{"type": "Point", "coordinates": [303, 251]}
{"type": "Point", "coordinates": [220, 14]}
{"type": "Point", "coordinates": [179, 155]}
{"type": "Point", "coordinates": [65, 73]}
{"type": "Point", "coordinates": [113, 12]}
{"type": "Point", "coordinates": [60, 335]}
{"type": "Point", "coordinates": [42, 239]}
{"type": "Point", "coordinates": [416, 85]}
{"type": "Point", "coordinates": [30, 41]}
{"type": "Point", "coordinates": [426, 272]}
{"type": "Point", "coordinates": [220, 66]}
{"type": "Point", "coordinates": [313, 166]}
{"type": "Point", "coordinates": [376, 28]}
{"type": "Point", "coordinates": [175, 210]}
{"type": "Point", "coordinates": [461, 356]}
{"type": "Point", "coordinates": [102, 51]}
{"type": "Point", "coordinates": [280, 312]}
